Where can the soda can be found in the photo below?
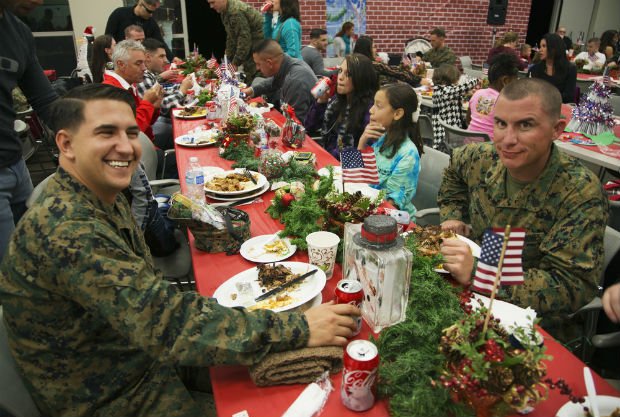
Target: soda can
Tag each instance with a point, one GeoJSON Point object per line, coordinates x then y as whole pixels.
{"type": "Point", "coordinates": [321, 87]}
{"type": "Point", "coordinates": [266, 7]}
{"type": "Point", "coordinates": [349, 291]}
{"type": "Point", "coordinates": [361, 363]}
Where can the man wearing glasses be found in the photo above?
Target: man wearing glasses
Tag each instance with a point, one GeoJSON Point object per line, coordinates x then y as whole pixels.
{"type": "Point", "coordinates": [142, 15]}
{"type": "Point", "coordinates": [568, 42]}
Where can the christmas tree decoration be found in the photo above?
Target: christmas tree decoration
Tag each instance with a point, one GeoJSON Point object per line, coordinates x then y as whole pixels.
{"type": "Point", "coordinates": [594, 115]}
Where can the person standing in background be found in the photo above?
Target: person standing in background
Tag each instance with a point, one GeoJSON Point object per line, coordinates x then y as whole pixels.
{"type": "Point", "coordinates": [142, 15]}
{"type": "Point", "coordinates": [343, 40]}
{"type": "Point", "coordinates": [244, 27]}
{"type": "Point", "coordinates": [20, 67]}
{"type": "Point", "coordinates": [287, 29]}
{"type": "Point", "coordinates": [568, 42]}
{"type": "Point", "coordinates": [313, 53]}
{"type": "Point", "coordinates": [507, 45]}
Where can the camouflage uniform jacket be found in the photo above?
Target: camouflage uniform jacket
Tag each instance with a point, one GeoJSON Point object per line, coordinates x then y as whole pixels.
{"type": "Point", "coordinates": [95, 329]}
{"type": "Point", "coordinates": [564, 214]}
{"type": "Point", "coordinates": [443, 55]}
{"type": "Point", "coordinates": [244, 27]}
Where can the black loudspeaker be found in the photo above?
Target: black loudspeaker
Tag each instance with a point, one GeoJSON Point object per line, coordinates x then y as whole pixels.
{"type": "Point", "coordinates": [497, 12]}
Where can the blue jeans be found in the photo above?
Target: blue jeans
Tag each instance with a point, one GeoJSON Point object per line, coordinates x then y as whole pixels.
{"type": "Point", "coordinates": [15, 188]}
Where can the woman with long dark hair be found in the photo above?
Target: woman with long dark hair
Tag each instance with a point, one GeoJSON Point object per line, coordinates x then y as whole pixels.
{"type": "Point", "coordinates": [397, 143]}
{"type": "Point", "coordinates": [342, 118]}
{"type": "Point", "coordinates": [103, 46]}
{"type": "Point", "coordinates": [343, 40]}
{"type": "Point", "coordinates": [555, 68]}
{"type": "Point", "coordinates": [609, 41]}
{"type": "Point", "coordinates": [287, 29]}
{"type": "Point", "coordinates": [387, 74]}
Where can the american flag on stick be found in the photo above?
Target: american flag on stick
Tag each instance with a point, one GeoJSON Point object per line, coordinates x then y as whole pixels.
{"type": "Point", "coordinates": [232, 107]}
{"type": "Point", "coordinates": [359, 166]}
{"type": "Point", "coordinates": [212, 63]}
{"type": "Point", "coordinates": [512, 268]}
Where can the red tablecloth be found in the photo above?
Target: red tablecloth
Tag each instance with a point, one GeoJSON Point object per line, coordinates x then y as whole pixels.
{"type": "Point", "coordinates": [567, 113]}
{"type": "Point", "coordinates": [232, 387]}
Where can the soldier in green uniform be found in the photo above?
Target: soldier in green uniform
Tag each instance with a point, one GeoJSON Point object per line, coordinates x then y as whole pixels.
{"type": "Point", "coordinates": [93, 327]}
{"type": "Point", "coordinates": [244, 27]}
{"type": "Point", "coordinates": [439, 53]}
{"type": "Point", "coordinates": [524, 180]}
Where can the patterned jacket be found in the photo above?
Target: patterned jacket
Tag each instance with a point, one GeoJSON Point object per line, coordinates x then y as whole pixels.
{"type": "Point", "coordinates": [97, 331]}
{"type": "Point", "coordinates": [438, 56]}
{"type": "Point", "coordinates": [244, 27]}
{"type": "Point", "coordinates": [388, 74]}
{"type": "Point", "coordinates": [564, 213]}
{"type": "Point", "coordinates": [448, 106]}
{"type": "Point", "coordinates": [173, 97]}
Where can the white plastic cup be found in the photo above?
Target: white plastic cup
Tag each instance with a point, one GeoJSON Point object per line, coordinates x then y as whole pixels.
{"type": "Point", "coordinates": [322, 249]}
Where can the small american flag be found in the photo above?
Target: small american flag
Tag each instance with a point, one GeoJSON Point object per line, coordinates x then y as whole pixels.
{"type": "Point", "coordinates": [359, 166]}
{"type": "Point", "coordinates": [231, 68]}
{"type": "Point", "coordinates": [212, 63]}
{"type": "Point", "coordinates": [218, 71]}
{"type": "Point", "coordinates": [232, 107]}
{"type": "Point", "coordinates": [512, 269]}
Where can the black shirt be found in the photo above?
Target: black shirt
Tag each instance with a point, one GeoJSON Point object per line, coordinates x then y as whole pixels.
{"type": "Point", "coordinates": [124, 16]}
{"type": "Point", "coordinates": [566, 83]}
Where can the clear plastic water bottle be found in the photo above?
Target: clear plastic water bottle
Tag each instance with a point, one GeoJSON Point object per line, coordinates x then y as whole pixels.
{"type": "Point", "coordinates": [195, 181]}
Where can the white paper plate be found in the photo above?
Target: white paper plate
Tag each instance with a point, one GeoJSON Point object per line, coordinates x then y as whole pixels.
{"type": "Point", "coordinates": [606, 406]}
{"type": "Point", "coordinates": [253, 250]}
{"type": "Point", "coordinates": [177, 113]}
{"type": "Point", "coordinates": [210, 171]}
{"type": "Point", "coordinates": [365, 189]}
{"type": "Point", "coordinates": [260, 110]}
{"type": "Point", "coordinates": [475, 250]}
{"type": "Point", "coordinates": [306, 291]}
{"type": "Point", "coordinates": [237, 197]}
{"type": "Point", "coordinates": [260, 183]}
{"type": "Point", "coordinates": [196, 140]}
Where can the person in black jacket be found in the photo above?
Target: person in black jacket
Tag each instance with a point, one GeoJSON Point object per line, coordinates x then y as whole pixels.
{"type": "Point", "coordinates": [142, 15]}
{"type": "Point", "coordinates": [555, 68]}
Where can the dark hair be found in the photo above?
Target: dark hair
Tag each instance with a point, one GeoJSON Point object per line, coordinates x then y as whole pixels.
{"type": "Point", "coordinates": [556, 51]}
{"type": "Point", "coordinates": [607, 39]}
{"type": "Point", "coordinates": [402, 96]}
{"type": "Point", "coordinates": [344, 28]}
{"type": "Point", "coordinates": [68, 112]}
{"type": "Point", "coordinates": [133, 28]}
{"type": "Point", "coordinates": [503, 65]}
{"type": "Point", "coordinates": [364, 46]}
{"type": "Point", "coordinates": [288, 9]}
{"type": "Point", "coordinates": [446, 74]}
{"type": "Point", "coordinates": [152, 45]}
{"type": "Point", "coordinates": [317, 33]}
{"type": "Point", "coordinates": [99, 57]}
{"type": "Point", "coordinates": [439, 32]}
{"type": "Point", "coordinates": [549, 95]}
{"type": "Point", "coordinates": [268, 46]}
{"type": "Point", "coordinates": [365, 85]}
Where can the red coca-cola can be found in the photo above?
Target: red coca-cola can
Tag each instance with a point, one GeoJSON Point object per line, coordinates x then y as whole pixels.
{"type": "Point", "coordinates": [266, 7]}
{"type": "Point", "coordinates": [359, 388]}
{"type": "Point", "coordinates": [321, 87]}
{"type": "Point", "coordinates": [350, 291]}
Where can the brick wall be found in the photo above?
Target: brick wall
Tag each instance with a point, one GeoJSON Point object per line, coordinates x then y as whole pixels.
{"type": "Point", "coordinates": [392, 22]}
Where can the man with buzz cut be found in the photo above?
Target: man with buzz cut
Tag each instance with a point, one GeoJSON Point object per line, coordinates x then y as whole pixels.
{"type": "Point", "coordinates": [523, 180]}
{"type": "Point", "coordinates": [439, 53]}
{"type": "Point", "coordinates": [313, 53]}
{"type": "Point", "coordinates": [94, 328]}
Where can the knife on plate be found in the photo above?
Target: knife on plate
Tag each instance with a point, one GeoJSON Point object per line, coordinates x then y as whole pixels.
{"type": "Point", "coordinates": [276, 290]}
{"type": "Point", "coordinates": [587, 376]}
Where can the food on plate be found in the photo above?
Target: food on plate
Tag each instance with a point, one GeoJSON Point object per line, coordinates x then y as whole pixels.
{"type": "Point", "coordinates": [192, 111]}
{"type": "Point", "coordinates": [428, 239]}
{"type": "Point", "coordinates": [280, 300]}
{"type": "Point", "coordinates": [271, 275]}
{"type": "Point", "coordinates": [278, 247]}
{"type": "Point", "coordinates": [231, 182]}
{"type": "Point", "coordinates": [258, 104]}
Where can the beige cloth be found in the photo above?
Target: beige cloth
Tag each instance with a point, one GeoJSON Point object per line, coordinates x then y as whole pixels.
{"type": "Point", "coordinates": [301, 366]}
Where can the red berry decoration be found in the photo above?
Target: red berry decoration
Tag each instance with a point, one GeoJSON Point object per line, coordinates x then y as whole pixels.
{"type": "Point", "coordinates": [287, 199]}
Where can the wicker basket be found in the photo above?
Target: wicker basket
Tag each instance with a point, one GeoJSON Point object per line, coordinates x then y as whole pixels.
{"type": "Point", "coordinates": [210, 239]}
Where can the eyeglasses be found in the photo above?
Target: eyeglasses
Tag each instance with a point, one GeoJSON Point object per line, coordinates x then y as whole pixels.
{"type": "Point", "coordinates": [149, 11]}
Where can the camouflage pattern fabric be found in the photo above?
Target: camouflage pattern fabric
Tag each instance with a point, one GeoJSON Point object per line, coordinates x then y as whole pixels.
{"type": "Point", "coordinates": [564, 214]}
{"type": "Point", "coordinates": [443, 55]}
{"type": "Point", "coordinates": [94, 328]}
{"type": "Point", "coordinates": [244, 27]}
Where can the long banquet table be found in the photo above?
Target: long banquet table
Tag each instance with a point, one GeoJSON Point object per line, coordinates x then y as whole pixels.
{"type": "Point", "coordinates": [233, 389]}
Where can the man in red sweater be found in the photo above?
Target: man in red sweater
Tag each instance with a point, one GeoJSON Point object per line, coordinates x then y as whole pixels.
{"type": "Point", "coordinates": [128, 58]}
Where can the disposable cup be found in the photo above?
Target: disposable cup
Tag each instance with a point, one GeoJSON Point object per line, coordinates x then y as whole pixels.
{"type": "Point", "coordinates": [322, 248]}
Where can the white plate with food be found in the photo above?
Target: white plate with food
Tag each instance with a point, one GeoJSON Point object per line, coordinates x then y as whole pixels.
{"type": "Point", "coordinates": [259, 108]}
{"type": "Point", "coordinates": [210, 171]}
{"type": "Point", "coordinates": [234, 183]}
{"type": "Point", "coordinates": [251, 194]}
{"type": "Point", "coordinates": [241, 289]}
{"type": "Point", "coordinates": [189, 113]}
{"type": "Point", "coordinates": [202, 138]}
{"type": "Point", "coordinates": [607, 405]}
{"type": "Point", "coordinates": [267, 248]}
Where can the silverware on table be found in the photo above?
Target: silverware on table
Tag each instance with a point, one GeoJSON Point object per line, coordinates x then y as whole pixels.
{"type": "Point", "coordinates": [248, 174]}
{"type": "Point", "coordinates": [276, 290]}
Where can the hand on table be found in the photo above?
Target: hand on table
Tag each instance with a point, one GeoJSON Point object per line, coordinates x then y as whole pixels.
{"type": "Point", "coordinates": [373, 131]}
{"type": "Point", "coordinates": [457, 259]}
{"type": "Point", "coordinates": [331, 324]}
{"type": "Point", "coordinates": [456, 226]}
{"type": "Point", "coordinates": [611, 303]}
